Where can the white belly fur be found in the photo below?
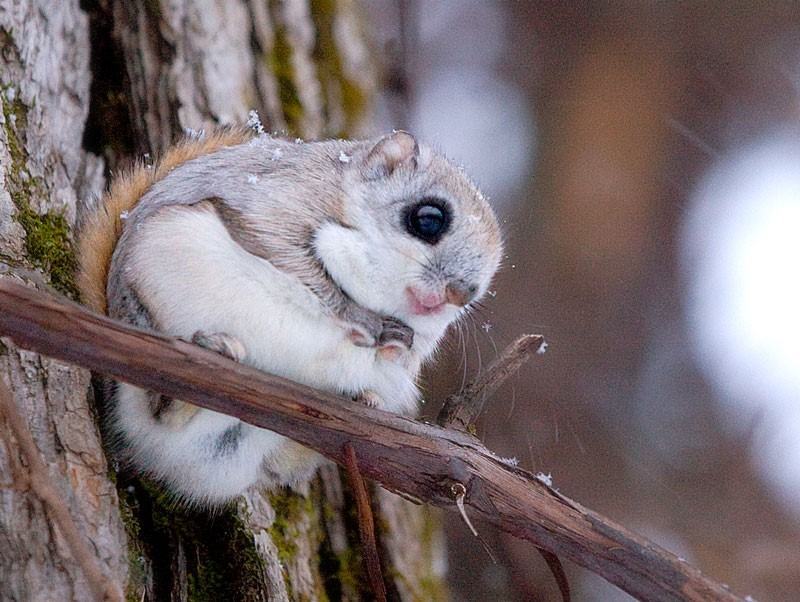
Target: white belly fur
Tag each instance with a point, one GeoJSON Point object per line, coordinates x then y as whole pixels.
{"type": "Point", "coordinates": [192, 276]}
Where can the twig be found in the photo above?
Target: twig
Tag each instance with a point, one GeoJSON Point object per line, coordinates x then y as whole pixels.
{"type": "Point", "coordinates": [403, 455]}
{"type": "Point", "coordinates": [460, 493]}
{"type": "Point", "coordinates": [560, 575]}
{"type": "Point", "coordinates": [366, 524]}
{"type": "Point", "coordinates": [39, 482]}
{"type": "Point", "coordinates": [461, 409]}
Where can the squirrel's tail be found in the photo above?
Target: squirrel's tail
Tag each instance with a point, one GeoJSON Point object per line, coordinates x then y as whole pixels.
{"type": "Point", "coordinates": [102, 227]}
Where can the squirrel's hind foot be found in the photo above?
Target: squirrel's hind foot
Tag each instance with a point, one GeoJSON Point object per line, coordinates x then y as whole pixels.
{"type": "Point", "coordinates": [369, 398]}
{"type": "Point", "coordinates": [222, 343]}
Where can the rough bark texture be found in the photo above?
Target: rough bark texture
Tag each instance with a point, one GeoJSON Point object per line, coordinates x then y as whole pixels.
{"type": "Point", "coordinates": [156, 69]}
{"type": "Point", "coordinates": [44, 94]}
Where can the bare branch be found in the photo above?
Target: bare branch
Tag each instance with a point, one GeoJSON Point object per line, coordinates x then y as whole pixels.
{"type": "Point", "coordinates": [560, 575]}
{"type": "Point", "coordinates": [461, 409]}
{"type": "Point", "coordinates": [418, 459]}
{"type": "Point", "coordinates": [38, 479]}
{"type": "Point", "coordinates": [366, 524]}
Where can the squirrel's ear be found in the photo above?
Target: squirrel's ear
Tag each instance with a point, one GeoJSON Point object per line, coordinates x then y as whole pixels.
{"type": "Point", "coordinates": [398, 149]}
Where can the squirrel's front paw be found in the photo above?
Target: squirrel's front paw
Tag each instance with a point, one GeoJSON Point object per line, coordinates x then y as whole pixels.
{"type": "Point", "coordinates": [395, 333]}
{"type": "Point", "coordinates": [368, 329]}
{"type": "Point", "coordinates": [222, 343]}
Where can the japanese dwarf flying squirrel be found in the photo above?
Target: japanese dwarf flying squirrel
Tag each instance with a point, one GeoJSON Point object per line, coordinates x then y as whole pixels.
{"type": "Point", "coordinates": [336, 264]}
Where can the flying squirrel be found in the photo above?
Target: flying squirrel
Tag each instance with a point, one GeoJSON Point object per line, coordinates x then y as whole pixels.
{"type": "Point", "coordinates": [337, 264]}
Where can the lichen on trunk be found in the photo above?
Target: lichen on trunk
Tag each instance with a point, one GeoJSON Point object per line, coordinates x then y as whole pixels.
{"type": "Point", "coordinates": [48, 244]}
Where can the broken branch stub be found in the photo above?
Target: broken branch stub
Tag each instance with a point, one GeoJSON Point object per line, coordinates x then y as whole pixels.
{"type": "Point", "coordinates": [461, 409]}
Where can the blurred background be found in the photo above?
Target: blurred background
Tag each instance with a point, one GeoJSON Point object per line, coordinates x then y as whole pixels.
{"type": "Point", "coordinates": [644, 158]}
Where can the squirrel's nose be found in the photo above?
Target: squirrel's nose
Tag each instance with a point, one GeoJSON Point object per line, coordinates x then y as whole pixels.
{"type": "Point", "coordinates": [460, 293]}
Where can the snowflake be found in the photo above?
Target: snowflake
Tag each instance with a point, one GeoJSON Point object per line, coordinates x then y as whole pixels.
{"type": "Point", "coordinates": [254, 122]}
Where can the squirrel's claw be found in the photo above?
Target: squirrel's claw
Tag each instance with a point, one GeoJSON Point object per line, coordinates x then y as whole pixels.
{"type": "Point", "coordinates": [369, 398]}
{"type": "Point", "coordinates": [395, 332]}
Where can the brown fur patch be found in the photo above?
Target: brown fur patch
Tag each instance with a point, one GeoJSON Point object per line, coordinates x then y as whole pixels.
{"type": "Point", "coordinates": [239, 229]}
{"type": "Point", "coordinates": [100, 231]}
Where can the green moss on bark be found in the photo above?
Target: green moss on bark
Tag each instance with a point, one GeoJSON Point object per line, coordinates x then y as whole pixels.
{"type": "Point", "coordinates": [211, 557]}
{"type": "Point", "coordinates": [330, 69]}
{"type": "Point", "coordinates": [48, 244]}
{"type": "Point", "coordinates": [137, 562]}
{"type": "Point", "coordinates": [279, 61]}
{"type": "Point", "coordinates": [297, 517]}
{"type": "Point", "coordinates": [338, 570]}
{"type": "Point", "coordinates": [431, 586]}
{"type": "Point", "coordinates": [290, 510]}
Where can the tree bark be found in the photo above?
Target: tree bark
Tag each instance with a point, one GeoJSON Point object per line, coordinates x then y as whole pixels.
{"type": "Point", "coordinates": [156, 69]}
{"type": "Point", "coordinates": [44, 94]}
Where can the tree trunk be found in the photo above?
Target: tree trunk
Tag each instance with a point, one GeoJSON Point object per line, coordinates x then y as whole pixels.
{"type": "Point", "coordinates": [157, 68]}
{"type": "Point", "coordinates": [44, 93]}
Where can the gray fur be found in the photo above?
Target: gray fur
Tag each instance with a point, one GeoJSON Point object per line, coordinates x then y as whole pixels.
{"type": "Point", "coordinates": [278, 222]}
{"type": "Point", "coordinates": [228, 441]}
{"type": "Point", "coordinates": [129, 307]}
{"type": "Point", "coordinates": [285, 235]}
{"type": "Point", "coordinates": [278, 225]}
{"type": "Point", "coordinates": [331, 216]}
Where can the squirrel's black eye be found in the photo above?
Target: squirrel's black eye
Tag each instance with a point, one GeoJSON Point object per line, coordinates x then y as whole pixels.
{"type": "Point", "coordinates": [428, 221]}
